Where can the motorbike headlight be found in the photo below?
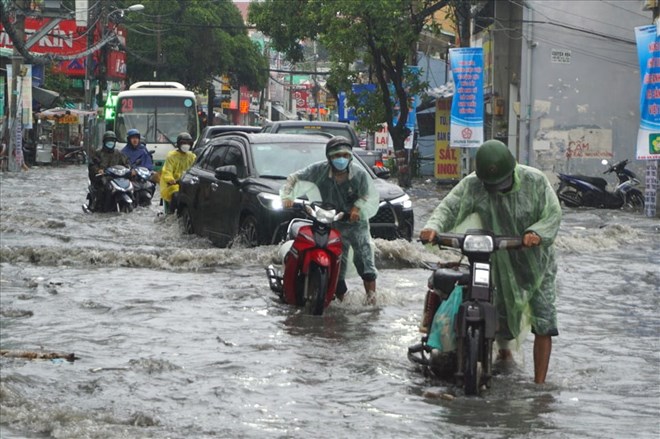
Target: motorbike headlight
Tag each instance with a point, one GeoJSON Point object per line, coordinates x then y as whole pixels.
{"type": "Point", "coordinates": [478, 244]}
{"type": "Point", "coordinates": [403, 200]}
{"type": "Point", "coordinates": [325, 216]}
{"type": "Point", "coordinates": [270, 201]}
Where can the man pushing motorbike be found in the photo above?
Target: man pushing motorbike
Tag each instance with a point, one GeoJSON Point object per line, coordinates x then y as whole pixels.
{"type": "Point", "coordinates": [100, 198]}
{"type": "Point", "coordinates": [350, 189]}
{"type": "Point", "coordinates": [514, 200]}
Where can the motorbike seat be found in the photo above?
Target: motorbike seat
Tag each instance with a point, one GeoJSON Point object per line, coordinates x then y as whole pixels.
{"type": "Point", "coordinates": [445, 279]}
{"type": "Point", "coordinates": [596, 181]}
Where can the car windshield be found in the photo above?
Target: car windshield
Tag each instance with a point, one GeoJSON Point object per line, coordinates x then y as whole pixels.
{"type": "Point", "coordinates": [282, 159]}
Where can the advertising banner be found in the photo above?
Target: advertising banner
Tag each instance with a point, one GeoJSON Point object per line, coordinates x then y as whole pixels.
{"type": "Point", "coordinates": [26, 95]}
{"type": "Point", "coordinates": [467, 109]}
{"type": "Point", "coordinates": [447, 159]}
{"type": "Point", "coordinates": [648, 51]}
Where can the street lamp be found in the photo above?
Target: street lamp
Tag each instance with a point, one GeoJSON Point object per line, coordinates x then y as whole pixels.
{"type": "Point", "coordinates": [133, 8]}
{"type": "Point", "coordinates": [89, 96]}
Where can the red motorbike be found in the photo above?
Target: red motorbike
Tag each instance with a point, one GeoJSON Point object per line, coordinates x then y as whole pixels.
{"type": "Point", "coordinates": [312, 258]}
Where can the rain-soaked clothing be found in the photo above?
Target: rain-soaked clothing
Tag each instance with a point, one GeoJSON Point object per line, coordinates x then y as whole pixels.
{"type": "Point", "coordinates": [138, 156]}
{"type": "Point", "coordinates": [176, 164]}
{"type": "Point", "coordinates": [99, 160]}
{"type": "Point", "coordinates": [103, 158]}
{"type": "Point", "coordinates": [524, 279]}
{"type": "Point", "coordinates": [358, 190]}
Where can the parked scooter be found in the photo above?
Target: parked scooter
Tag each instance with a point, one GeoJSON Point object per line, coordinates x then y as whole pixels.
{"type": "Point", "coordinates": [143, 186]}
{"type": "Point", "coordinates": [312, 258]}
{"type": "Point", "coordinates": [476, 318]}
{"type": "Point", "coordinates": [580, 190]}
{"type": "Point", "coordinates": [69, 154]}
{"type": "Point", "coordinates": [119, 186]}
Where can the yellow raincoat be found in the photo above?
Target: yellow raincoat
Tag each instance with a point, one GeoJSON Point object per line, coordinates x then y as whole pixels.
{"type": "Point", "coordinates": [176, 163]}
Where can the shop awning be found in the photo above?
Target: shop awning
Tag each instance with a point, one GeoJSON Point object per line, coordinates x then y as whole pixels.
{"type": "Point", "coordinates": [43, 96]}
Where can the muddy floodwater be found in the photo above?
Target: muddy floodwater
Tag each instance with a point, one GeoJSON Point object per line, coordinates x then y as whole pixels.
{"type": "Point", "coordinates": [178, 339]}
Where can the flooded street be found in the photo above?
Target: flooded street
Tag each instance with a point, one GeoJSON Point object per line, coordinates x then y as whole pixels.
{"type": "Point", "coordinates": [178, 339]}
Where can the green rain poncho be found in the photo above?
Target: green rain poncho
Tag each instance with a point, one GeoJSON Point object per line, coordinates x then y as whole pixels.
{"type": "Point", "coordinates": [358, 191]}
{"type": "Point", "coordinates": [524, 279]}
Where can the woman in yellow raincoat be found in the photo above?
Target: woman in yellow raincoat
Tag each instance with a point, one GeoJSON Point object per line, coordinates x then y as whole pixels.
{"type": "Point", "coordinates": [176, 163]}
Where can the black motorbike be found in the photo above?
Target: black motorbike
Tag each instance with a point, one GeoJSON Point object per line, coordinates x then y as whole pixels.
{"type": "Point", "coordinates": [118, 186]}
{"type": "Point", "coordinates": [476, 319]}
{"type": "Point", "coordinates": [581, 190]}
{"type": "Point", "coordinates": [143, 186]}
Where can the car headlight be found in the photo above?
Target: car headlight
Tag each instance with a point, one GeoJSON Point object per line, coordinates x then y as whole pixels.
{"type": "Point", "coordinates": [270, 201]}
{"type": "Point", "coordinates": [478, 244]}
{"type": "Point", "coordinates": [403, 200]}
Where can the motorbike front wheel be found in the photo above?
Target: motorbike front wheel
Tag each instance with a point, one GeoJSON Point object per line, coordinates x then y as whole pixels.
{"type": "Point", "coordinates": [316, 286]}
{"type": "Point", "coordinates": [473, 367]}
{"type": "Point", "coordinates": [634, 201]}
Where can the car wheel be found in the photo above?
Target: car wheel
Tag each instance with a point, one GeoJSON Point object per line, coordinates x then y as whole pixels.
{"type": "Point", "coordinates": [186, 221]}
{"type": "Point", "coordinates": [248, 233]}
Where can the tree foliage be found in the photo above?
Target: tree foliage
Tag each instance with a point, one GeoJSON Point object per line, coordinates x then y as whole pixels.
{"type": "Point", "coordinates": [191, 41]}
{"type": "Point", "coordinates": [381, 33]}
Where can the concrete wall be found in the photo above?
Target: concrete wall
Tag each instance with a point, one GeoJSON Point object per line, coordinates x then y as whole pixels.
{"type": "Point", "coordinates": [584, 84]}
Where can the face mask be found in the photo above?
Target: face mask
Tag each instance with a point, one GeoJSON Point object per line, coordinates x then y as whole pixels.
{"type": "Point", "coordinates": [340, 163]}
{"type": "Point", "coordinates": [185, 147]}
{"type": "Point", "coordinates": [109, 145]}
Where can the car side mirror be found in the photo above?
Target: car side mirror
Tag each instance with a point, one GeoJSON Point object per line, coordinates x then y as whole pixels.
{"type": "Point", "coordinates": [381, 172]}
{"type": "Point", "coordinates": [227, 173]}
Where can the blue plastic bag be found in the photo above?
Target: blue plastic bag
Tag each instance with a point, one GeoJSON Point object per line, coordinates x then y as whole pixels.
{"type": "Point", "coordinates": [442, 335]}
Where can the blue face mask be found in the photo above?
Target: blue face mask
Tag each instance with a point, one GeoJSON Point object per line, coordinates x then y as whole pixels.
{"type": "Point", "coordinates": [109, 145]}
{"type": "Point", "coordinates": [340, 163]}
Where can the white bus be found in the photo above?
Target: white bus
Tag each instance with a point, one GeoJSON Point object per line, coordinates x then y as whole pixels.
{"type": "Point", "coordinates": [160, 111]}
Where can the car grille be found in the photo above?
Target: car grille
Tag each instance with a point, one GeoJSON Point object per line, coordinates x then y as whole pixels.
{"type": "Point", "coordinates": [384, 215]}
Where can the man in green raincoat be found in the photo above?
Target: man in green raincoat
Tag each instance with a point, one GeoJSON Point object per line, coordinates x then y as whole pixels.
{"type": "Point", "coordinates": [514, 200]}
{"type": "Point", "coordinates": [351, 189]}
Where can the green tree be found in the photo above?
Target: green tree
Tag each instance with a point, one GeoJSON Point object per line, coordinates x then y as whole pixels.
{"type": "Point", "coordinates": [192, 41]}
{"type": "Point", "coordinates": [381, 33]}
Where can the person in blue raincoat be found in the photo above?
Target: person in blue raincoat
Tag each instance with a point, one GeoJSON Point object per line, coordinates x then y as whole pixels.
{"type": "Point", "coordinates": [514, 200]}
{"type": "Point", "coordinates": [136, 151]}
{"type": "Point", "coordinates": [351, 189]}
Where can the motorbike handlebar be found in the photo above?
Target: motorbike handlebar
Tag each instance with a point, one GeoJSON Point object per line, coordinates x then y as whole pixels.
{"type": "Point", "coordinates": [456, 240]}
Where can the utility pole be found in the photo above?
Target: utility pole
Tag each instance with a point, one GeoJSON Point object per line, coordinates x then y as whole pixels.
{"type": "Point", "coordinates": [89, 77]}
{"type": "Point", "coordinates": [653, 166]}
{"type": "Point", "coordinates": [14, 119]}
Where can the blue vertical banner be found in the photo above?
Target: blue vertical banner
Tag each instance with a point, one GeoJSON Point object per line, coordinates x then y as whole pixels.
{"type": "Point", "coordinates": [648, 52]}
{"type": "Point", "coordinates": [467, 107]}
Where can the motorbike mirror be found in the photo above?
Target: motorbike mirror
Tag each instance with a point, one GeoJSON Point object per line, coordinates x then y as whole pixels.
{"type": "Point", "coordinates": [605, 162]}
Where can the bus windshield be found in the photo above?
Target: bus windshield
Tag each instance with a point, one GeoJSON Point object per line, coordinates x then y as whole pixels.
{"type": "Point", "coordinates": [158, 118]}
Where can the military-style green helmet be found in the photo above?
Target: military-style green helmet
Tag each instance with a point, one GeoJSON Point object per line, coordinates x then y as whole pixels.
{"type": "Point", "coordinates": [495, 165]}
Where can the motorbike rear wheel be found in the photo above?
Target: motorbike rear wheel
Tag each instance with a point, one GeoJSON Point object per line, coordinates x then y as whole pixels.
{"type": "Point", "coordinates": [316, 286]}
{"type": "Point", "coordinates": [473, 367]}
{"type": "Point", "coordinates": [80, 157]}
{"type": "Point", "coordinates": [570, 197]}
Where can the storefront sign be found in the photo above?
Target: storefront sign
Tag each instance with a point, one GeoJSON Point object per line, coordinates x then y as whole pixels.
{"type": "Point", "coordinates": [467, 109]}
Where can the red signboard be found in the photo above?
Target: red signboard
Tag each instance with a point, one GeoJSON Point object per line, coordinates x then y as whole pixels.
{"type": "Point", "coordinates": [244, 103]}
{"type": "Point", "coordinates": [63, 39]}
{"type": "Point", "coordinates": [68, 39]}
{"type": "Point", "coordinates": [116, 65]}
